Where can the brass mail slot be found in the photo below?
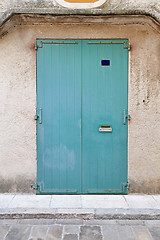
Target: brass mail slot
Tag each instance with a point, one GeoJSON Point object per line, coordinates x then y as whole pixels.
{"type": "Point", "coordinates": [105, 128]}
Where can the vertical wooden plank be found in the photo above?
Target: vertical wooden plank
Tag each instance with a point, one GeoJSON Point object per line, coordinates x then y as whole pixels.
{"type": "Point", "coordinates": [120, 102]}
{"type": "Point", "coordinates": [59, 95]}
{"type": "Point", "coordinates": [104, 98]}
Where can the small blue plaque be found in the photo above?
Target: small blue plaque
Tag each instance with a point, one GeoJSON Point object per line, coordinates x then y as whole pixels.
{"type": "Point", "coordinates": [105, 62]}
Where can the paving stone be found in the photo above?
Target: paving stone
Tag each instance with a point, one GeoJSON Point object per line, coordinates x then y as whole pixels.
{"type": "Point", "coordinates": [39, 231]}
{"type": "Point", "coordinates": [121, 222]}
{"type": "Point", "coordinates": [141, 233]}
{"type": "Point", "coordinates": [70, 237]}
{"type": "Point", "coordinates": [141, 201]}
{"type": "Point", "coordinates": [103, 201]}
{"type": "Point", "coordinates": [99, 222]}
{"type": "Point", "coordinates": [27, 210]}
{"type": "Point", "coordinates": [90, 233]}
{"type": "Point", "coordinates": [125, 232]}
{"type": "Point", "coordinates": [18, 232]}
{"type": "Point", "coordinates": [152, 223]}
{"type": "Point", "coordinates": [5, 200]}
{"type": "Point", "coordinates": [54, 233]}
{"type": "Point", "coordinates": [31, 201]}
{"type": "Point", "coordinates": [36, 239]}
{"type": "Point", "coordinates": [72, 221]}
{"type": "Point", "coordinates": [3, 231]}
{"type": "Point", "coordinates": [110, 232]}
{"type": "Point", "coordinates": [157, 198]}
{"type": "Point", "coordinates": [67, 201]}
{"type": "Point", "coordinates": [134, 222]}
{"type": "Point", "coordinates": [155, 232]}
{"type": "Point", "coordinates": [37, 221]}
{"type": "Point", "coordinates": [8, 221]}
{"type": "Point", "coordinates": [132, 213]}
{"type": "Point", "coordinates": [77, 211]}
{"type": "Point", "coordinates": [71, 229]}
{"type": "Point", "coordinates": [90, 230]}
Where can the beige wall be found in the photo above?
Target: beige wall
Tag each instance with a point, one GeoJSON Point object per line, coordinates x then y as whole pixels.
{"type": "Point", "coordinates": [18, 100]}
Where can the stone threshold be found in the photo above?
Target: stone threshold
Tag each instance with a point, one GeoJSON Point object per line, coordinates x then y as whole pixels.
{"type": "Point", "coordinates": [98, 214]}
{"type": "Point", "coordinates": [132, 206]}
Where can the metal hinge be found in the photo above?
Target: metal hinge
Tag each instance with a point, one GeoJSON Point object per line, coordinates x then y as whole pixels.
{"type": "Point", "coordinates": [35, 186]}
{"type": "Point", "coordinates": [36, 116]}
{"type": "Point", "coordinates": [126, 45]}
{"type": "Point", "coordinates": [125, 186]}
{"type": "Point", "coordinates": [125, 116]}
{"type": "Point", "coordinates": [39, 116]}
{"type": "Point", "coordinates": [38, 45]}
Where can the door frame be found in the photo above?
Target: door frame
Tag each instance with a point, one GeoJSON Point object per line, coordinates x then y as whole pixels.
{"type": "Point", "coordinates": [39, 44]}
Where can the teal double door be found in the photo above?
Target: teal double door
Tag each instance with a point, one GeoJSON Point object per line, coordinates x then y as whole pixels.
{"type": "Point", "coordinates": [82, 124]}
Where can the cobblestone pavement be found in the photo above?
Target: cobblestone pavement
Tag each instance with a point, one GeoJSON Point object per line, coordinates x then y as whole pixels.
{"type": "Point", "coordinates": [78, 229]}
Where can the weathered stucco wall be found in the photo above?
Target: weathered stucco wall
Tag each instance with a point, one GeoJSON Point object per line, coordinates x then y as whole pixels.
{"type": "Point", "coordinates": [9, 8]}
{"type": "Point", "coordinates": [18, 102]}
{"type": "Point", "coordinates": [18, 98]}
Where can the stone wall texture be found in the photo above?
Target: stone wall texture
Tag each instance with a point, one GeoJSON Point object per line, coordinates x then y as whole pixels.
{"type": "Point", "coordinates": [18, 34]}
